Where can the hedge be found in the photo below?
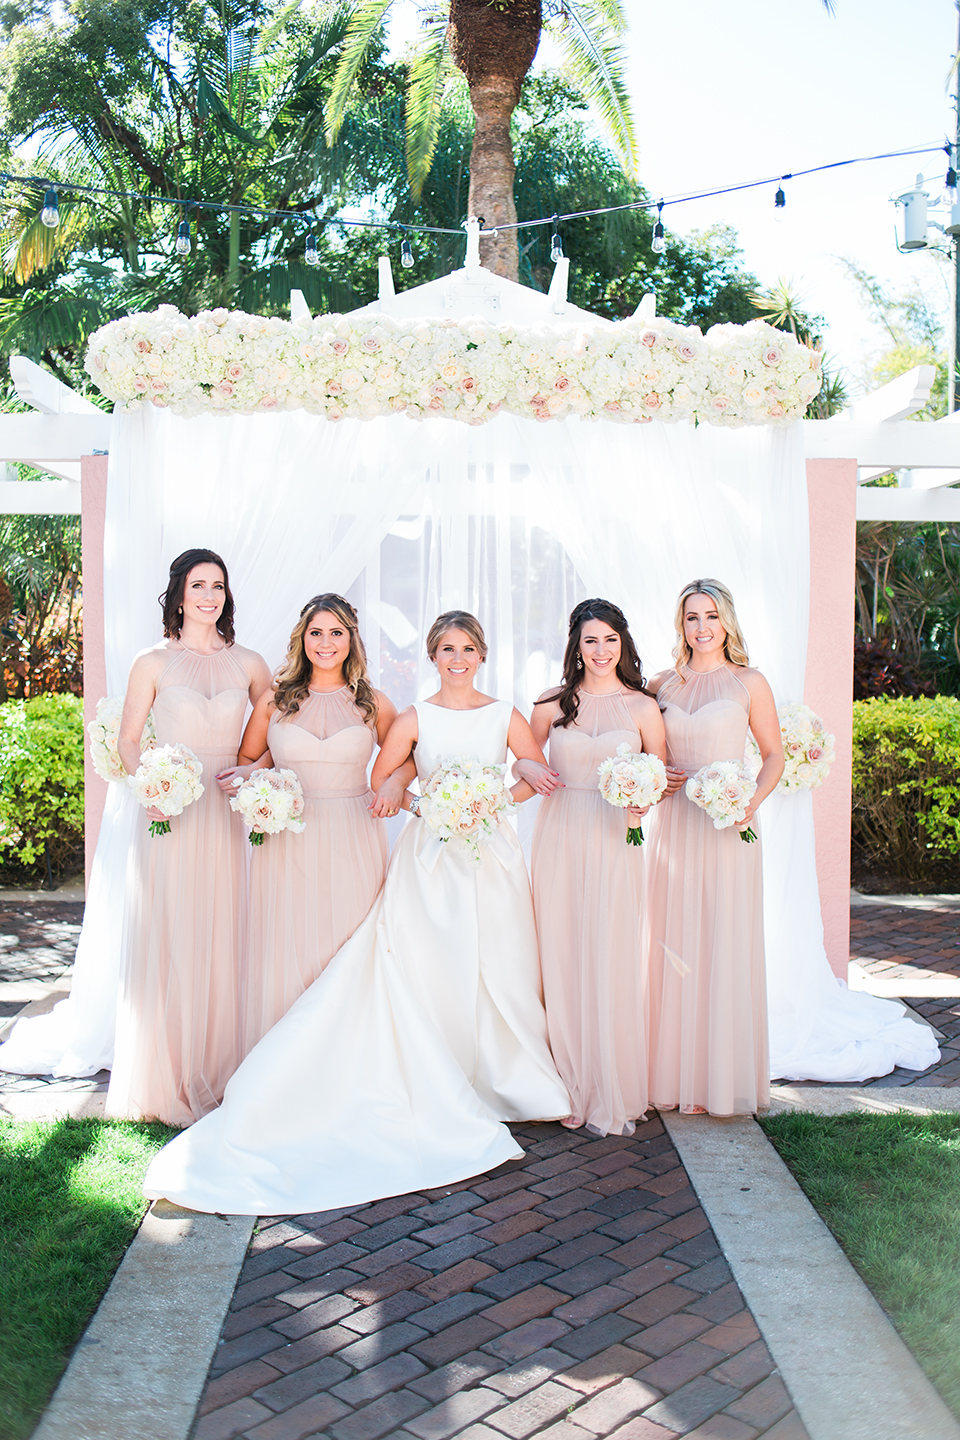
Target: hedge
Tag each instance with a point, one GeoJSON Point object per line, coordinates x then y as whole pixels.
{"type": "Point", "coordinates": [906, 781]}
{"type": "Point", "coordinates": [41, 779]}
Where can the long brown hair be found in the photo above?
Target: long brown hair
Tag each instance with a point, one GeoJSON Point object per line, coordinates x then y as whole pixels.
{"type": "Point", "coordinates": [734, 646]}
{"type": "Point", "coordinates": [172, 597]}
{"type": "Point", "coordinates": [294, 676]}
{"type": "Point", "coordinates": [629, 669]}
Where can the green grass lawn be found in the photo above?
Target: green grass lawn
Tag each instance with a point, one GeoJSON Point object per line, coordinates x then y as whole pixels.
{"type": "Point", "coordinates": [70, 1203]}
{"type": "Point", "coordinates": [888, 1186]}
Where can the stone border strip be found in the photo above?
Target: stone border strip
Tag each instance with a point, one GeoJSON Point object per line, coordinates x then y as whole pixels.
{"type": "Point", "coordinates": [139, 1370]}
{"type": "Point", "coordinates": [875, 1099]}
{"type": "Point", "coordinates": [907, 902]}
{"type": "Point", "coordinates": [848, 1372]}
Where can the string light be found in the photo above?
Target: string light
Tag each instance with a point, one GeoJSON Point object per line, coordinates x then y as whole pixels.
{"type": "Point", "coordinates": [556, 243]}
{"type": "Point", "coordinates": [310, 255]}
{"type": "Point", "coordinates": [779, 204]}
{"type": "Point", "coordinates": [658, 244]}
{"type": "Point", "coordinates": [50, 214]}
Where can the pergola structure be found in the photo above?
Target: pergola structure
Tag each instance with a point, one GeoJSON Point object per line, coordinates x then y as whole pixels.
{"type": "Point", "coordinates": [69, 437]}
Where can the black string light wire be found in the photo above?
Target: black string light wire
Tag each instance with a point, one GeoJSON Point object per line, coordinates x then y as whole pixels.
{"type": "Point", "coordinates": [51, 190]}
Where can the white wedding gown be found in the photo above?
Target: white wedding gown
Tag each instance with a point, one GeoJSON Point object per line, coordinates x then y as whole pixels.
{"type": "Point", "coordinates": [393, 1071]}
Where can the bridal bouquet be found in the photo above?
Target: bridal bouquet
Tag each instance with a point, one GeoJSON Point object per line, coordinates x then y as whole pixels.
{"type": "Point", "coordinates": [630, 778]}
{"type": "Point", "coordinates": [464, 800]}
{"type": "Point", "coordinates": [104, 732]}
{"type": "Point", "coordinates": [723, 789]}
{"type": "Point", "coordinates": [168, 779]}
{"type": "Point", "coordinates": [269, 801]}
{"type": "Point", "coordinates": [808, 751]}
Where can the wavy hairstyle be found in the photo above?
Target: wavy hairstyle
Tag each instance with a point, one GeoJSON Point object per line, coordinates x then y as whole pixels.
{"type": "Point", "coordinates": [629, 669]}
{"type": "Point", "coordinates": [456, 620]}
{"type": "Point", "coordinates": [172, 597]}
{"type": "Point", "coordinates": [734, 646]}
{"type": "Point", "coordinates": [292, 680]}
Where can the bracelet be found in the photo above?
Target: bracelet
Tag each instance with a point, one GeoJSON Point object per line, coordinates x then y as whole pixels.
{"type": "Point", "coordinates": [415, 805]}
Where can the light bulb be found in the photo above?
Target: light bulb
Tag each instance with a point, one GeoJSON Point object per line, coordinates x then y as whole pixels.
{"type": "Point", "coordinates": [50, 214]}
{"type": "Point", "coordinates": [406, 254]}
{"type": "Point", "coordinates": [310, 254]}
{"type": "Point", "coordinates": [779, 205]}
{"type": "Point", "coordinates": [183, 238]}
{"type": "Point", "coordinates": [556, 247]}
{"type": "Point", "coordinates": [658, 244]}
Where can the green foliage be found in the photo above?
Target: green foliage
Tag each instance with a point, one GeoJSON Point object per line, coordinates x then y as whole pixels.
{"type": "Point", "coordinates": [41, 778]}
{"type": "Point", "coordinates": [914, 334]}
{"type": "Point", "coordinates": [71, 1199]}
{"type": "Point", "coordinates": [40, 604]}
{"type": "Point", "coordinates": [906, 780]}
{"type": "Point", "coordinates": [888, 1186]}
{"type": "Point", "coordinates": [908, 595]}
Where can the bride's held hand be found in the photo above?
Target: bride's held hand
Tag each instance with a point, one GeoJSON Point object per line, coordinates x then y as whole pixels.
{"type": "Point", "coordinates": [230, 779]}
{"type": "Point", "coordinates": [636, 813]}
{"type": "Point", "coordinates": [539, 777]}
{"type": "Point", "coordinates": [388, 799]}
{"type": "Point", "coordinates": [154, 815]}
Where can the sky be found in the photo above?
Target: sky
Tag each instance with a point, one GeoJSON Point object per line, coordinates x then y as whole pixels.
{"type": "Point", "coordinates": [728, 93]}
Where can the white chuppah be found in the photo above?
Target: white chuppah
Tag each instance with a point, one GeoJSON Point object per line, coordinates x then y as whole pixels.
{"type": "Point", "coordinates": [514, 520]}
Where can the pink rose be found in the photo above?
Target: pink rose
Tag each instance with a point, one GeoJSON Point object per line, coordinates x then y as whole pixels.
{"type": "Point", "coordinates": [268, 402]}
{"type": "Point", "coordinates": [437, 390]}
{"type": "Point", "coordinates": [613, 405]}
{"type": "Point", "coordinates": [815, 753]}
{"type": "Point", "coordinates": [776, 411]}
{"type": "Point", "coordinates": [652, 401]}
{"type": "Point", "coordinates": [158, 385]}
{"type": "Point", "coordinates": [142, 345]}
{"type": "Point", "coordinates": [494, 405]}
{"type": "Point", "coordinates": [225, 388]}
{"type": "Point", "coordinates": [339, 347]}
{"type": "Point", "coordinates": [370, 343]}
{"type": "Point", "coordinates": [334, 387]}
{"type": "Point", "coordinates": [561, 383]}
{"type": "Point", "coordinates": [235, 371]}
{"type": "Point", "coordinates": [721, 403]}
{"type": "Point", "coordinates": [772, 355]}
{"type": "Point", "coordinates": [334, 413]}
{"type": "Point", "coordinates": [435, 404]}
{"type": "Point", "coordinates": [686, 351]}
{"type": "Point", "coordinates": [649, 338]}
{"type": "Point", "coordinates": [468, 385]}
{"type": "Point", "coordinates": [159, 401]}
{"type": "Point", "coordinates": [140, 385]}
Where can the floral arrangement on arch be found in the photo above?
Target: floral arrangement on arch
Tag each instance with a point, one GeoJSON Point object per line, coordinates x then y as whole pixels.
{"type": "Point", "coordinates": [224, 362]}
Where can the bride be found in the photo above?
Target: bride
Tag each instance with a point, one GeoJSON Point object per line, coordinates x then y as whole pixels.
{"type": "Point", "coordinates": [392, 1072]}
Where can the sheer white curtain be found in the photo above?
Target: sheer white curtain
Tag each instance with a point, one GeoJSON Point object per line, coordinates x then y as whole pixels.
{"type": "Point", "coordinates": [515, 521]}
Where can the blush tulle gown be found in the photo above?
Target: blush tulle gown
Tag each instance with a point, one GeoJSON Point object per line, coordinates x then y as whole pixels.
{"type": "Point", "coordinates": [393, 1072]}
{"type": "Point", "coordinates": [178, 1015]}
{"type": "Point", "coordinates": [310, 890]}
{"type": "Point", "coordinates": [703, 919]}
{"type": "Point", "coordinates": [586, 889]}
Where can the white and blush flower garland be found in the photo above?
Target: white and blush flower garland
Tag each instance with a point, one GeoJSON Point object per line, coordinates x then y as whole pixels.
{"type": "Point", "coordinates": [224, 362]}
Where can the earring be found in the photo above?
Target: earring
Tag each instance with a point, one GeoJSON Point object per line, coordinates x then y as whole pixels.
{"type": "Point", "coordinates": [579, 662]}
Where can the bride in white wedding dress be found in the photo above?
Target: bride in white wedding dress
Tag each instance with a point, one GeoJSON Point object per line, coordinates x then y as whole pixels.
{"type": "Point", "coordinates": [395, 1069]}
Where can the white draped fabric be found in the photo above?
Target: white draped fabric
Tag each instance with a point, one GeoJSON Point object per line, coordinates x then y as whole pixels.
{"type": "Point", "coordinates": [515, 521]}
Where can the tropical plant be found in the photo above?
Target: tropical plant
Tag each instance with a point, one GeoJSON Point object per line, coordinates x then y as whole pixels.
{"type": "Point", "coordinates": [492, 43]}
{"type": "Point", "coordinates": [41, 637]}
{"type": "Point", "coordinates": [41, 780]}
{"type": "Point", "coordinates": [908, 596]}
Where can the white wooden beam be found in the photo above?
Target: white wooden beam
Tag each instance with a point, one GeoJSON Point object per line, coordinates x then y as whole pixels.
{"type": "Point", "coordinates": [44, 392]}
{"type": "Point", "coordinates": [896, 400]}
{"type": "Point", "coordinates": [38, 439]}
{"type": "Point", "coordinates": [39, 497]}
{"type": "Point", "coordinates": [888, 444]}
{"type": "Point", "coordinates": [299, 309]}
{"type": "Point", "coordinates": [917, 505]}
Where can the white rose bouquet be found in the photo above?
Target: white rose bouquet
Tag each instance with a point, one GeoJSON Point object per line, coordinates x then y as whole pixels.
{"type": "Point", "coordinates": [168, 780]}
{"type": "Point", "coordinates": [808, 751]}
{"type": "Point", "coordinates": [104, 733]}
{"type": "Point", "coordinates": [464, 800]}
{"type": "Point", "coordinates": [269, 801]}
{"type": "Point", "coordinates": [723, 789]}
{"type": "Point", "coordinates": [632, 778]}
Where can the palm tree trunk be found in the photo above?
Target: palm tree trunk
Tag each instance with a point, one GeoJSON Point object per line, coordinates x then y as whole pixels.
{"type": "Point", "coordinates": [493, 42]}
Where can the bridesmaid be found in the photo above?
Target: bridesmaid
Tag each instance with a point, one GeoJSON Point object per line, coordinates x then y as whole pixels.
{"type": "Point", "coordinates": [178, 1020]}
{"type": "Point", "coordinates": [586, 878]}
{"type": "Point", "coordinates": [309, 891]}
{"type": "Point", "coordinates": [704, 909]}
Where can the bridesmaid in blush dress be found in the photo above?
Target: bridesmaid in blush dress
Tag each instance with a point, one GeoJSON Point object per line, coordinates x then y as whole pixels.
{"type": "Point", "coordinates": [309, 891]}
{"type": "Point", "coordinates": [704, 908]}
{"type": "Point", "coordinates": [178, 1018]}
{"type": "Point", "coordinates": [586, 878]}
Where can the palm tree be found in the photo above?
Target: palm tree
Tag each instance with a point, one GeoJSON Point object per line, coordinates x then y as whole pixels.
{"type": "Point", "coordinates": [493, 42]}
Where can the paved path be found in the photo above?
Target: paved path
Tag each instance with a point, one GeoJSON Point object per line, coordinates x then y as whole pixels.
{"type": "Point", "coordinates": [574, 1294]}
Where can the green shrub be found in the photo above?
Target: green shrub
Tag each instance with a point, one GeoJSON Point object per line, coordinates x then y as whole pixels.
{"type": "Point", "coordinates": [906, 781]}
{"type": "Point", "coordinates": [41, 778]}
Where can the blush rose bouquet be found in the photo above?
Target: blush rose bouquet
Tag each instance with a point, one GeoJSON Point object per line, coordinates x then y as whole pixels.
{"type": "Point", "coordinates": [632, 778]}
{"type": "Point", "coordinates": [723, 789]}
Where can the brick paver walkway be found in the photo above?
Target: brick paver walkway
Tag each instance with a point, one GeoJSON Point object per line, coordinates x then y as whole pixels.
{"type": "Point", "coordinates": [38, 939]}
{"type": "Point", "coordinates": [574, 1294]}
{"type": "Point", "coordinates": [891, 941]}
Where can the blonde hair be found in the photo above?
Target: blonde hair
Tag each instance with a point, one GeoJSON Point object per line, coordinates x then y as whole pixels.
{"type": "Point", "coordinates": [734, 646]}
{"type": "Point", "coordinates": [456, 620]}
{"type": "Point", "coordinates": [294, 676]}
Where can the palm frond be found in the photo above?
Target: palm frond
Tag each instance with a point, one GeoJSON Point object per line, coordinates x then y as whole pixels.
{"type": "Point", "coordinates": [430, 69]}
{"type": "Point", "coordinates": [364, 24]}
{"type": "Point", "coordinates": [589, 41]}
